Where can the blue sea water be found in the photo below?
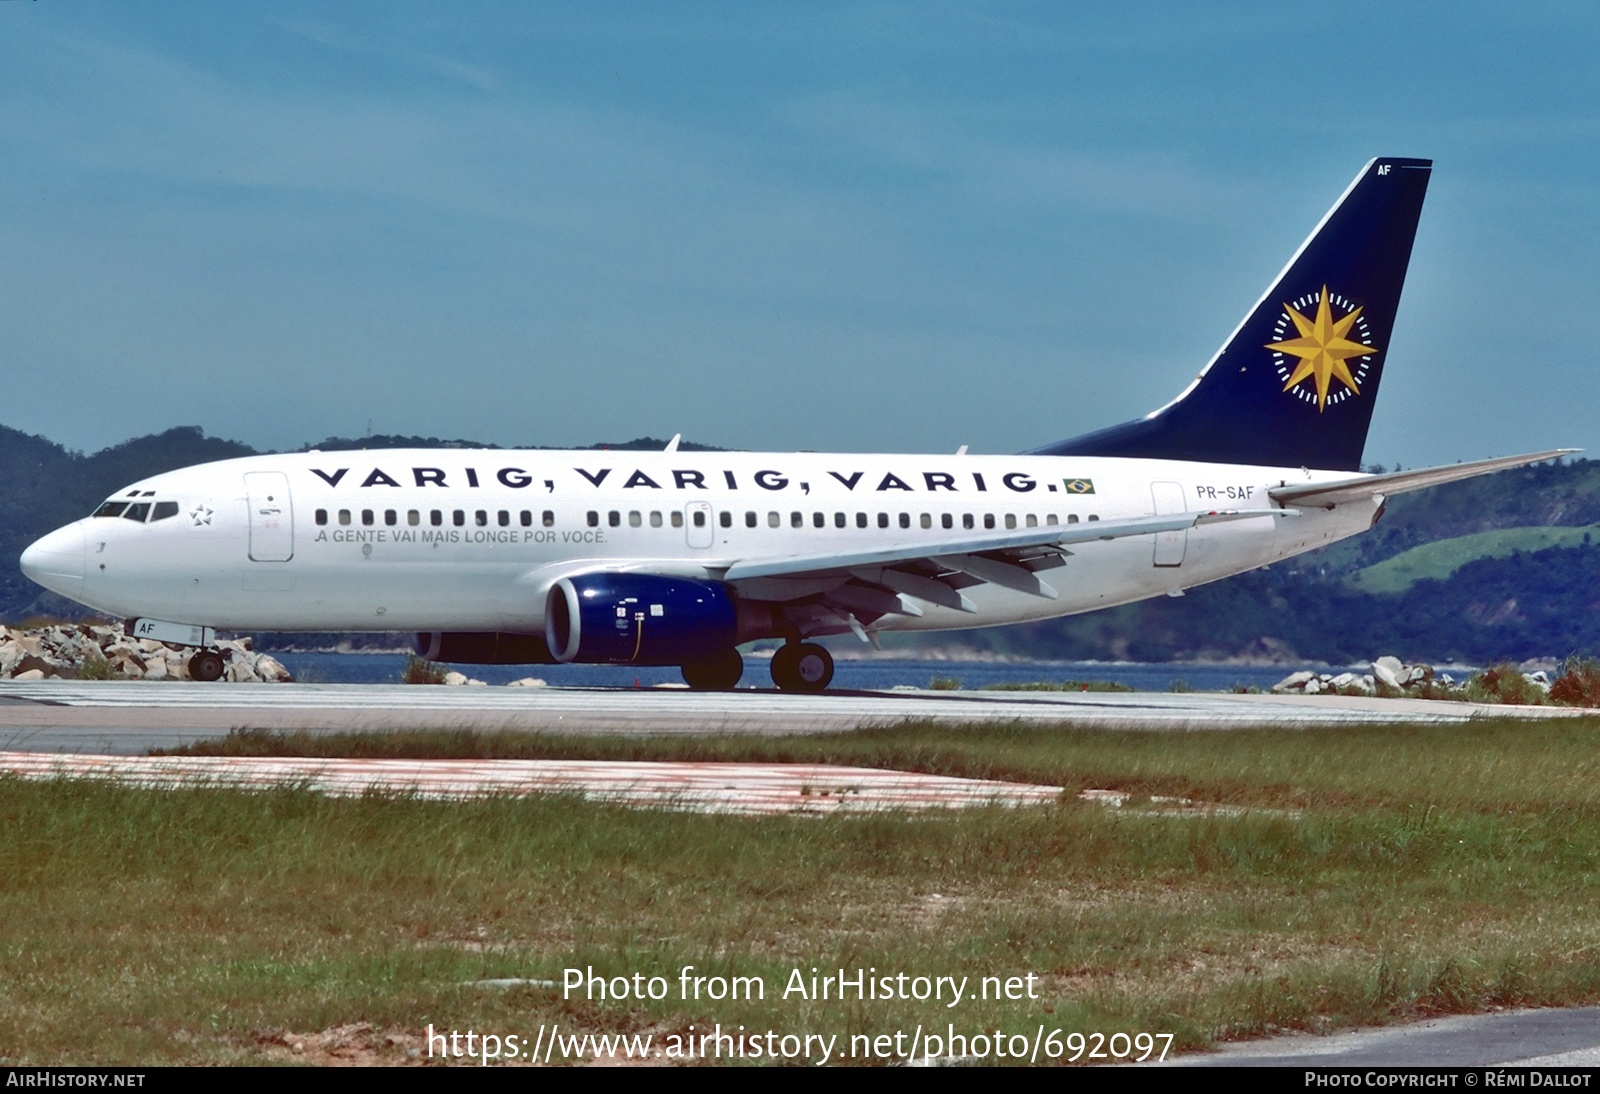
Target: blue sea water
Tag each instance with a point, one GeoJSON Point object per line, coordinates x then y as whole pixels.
{"type": "Point", "coordinates": [849, 674]}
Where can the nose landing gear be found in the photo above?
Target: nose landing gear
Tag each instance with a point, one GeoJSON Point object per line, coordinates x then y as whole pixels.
{"type": "Point", "coordinates": [207, 665]}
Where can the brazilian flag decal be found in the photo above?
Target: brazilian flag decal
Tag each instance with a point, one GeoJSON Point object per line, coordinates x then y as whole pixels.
{"type": "Point", "coordinates": [1080, 486]}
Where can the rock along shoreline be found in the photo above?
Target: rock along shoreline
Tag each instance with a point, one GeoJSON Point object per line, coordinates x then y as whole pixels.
{"type": "Point", "coordinates": [84, 651]}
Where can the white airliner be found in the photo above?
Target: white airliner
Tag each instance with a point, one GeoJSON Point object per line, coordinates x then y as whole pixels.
{"type": "Point", "coordinates": [672, 558]}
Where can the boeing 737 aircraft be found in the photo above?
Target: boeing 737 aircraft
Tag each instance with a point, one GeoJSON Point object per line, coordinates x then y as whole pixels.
{"type": "Point", "coordinates": [668, 558]}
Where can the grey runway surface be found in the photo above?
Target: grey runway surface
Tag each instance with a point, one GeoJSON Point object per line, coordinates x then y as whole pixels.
{"type": "Point", "coordinates": [1522, 1038]}
{"type": "Point", "coordinates": [130, 718]}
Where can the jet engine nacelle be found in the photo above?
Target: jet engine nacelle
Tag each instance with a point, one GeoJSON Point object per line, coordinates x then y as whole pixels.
{"type": "Point", "coordinates": [638, 619]}
{"type": "Point", "coordinates": [483, 648]}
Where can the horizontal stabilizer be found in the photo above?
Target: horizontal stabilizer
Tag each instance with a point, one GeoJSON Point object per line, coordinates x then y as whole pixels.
{"type": "Point", "coordinates": [1328, 494]}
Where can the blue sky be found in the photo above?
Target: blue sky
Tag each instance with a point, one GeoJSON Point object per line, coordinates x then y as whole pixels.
{"type": "Point", "coordinates": [868, 227]}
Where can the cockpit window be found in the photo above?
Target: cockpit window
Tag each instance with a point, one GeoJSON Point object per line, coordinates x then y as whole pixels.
{"type": "Point", "coordinates": [140, 511]}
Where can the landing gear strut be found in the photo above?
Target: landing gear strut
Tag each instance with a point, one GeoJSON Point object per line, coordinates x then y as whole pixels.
{"type": "Point", "coordinates": [206, 666]}
{"type": "Point", "coordinates": [802, 666]}
{"type": "Point", "coordinates": [719, 672]}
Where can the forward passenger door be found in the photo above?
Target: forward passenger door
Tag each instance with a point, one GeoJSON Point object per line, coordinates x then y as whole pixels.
{"type": "Point", "coordinates": [271, 516]}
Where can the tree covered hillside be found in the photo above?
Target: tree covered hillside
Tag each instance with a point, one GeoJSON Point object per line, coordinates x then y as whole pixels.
{"type": "Point", "coordinates": [1527, 604]}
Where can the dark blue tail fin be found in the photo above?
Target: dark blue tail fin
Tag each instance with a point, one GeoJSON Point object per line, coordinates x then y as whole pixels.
{"type": "Point", "coordinates": [1295, 384]}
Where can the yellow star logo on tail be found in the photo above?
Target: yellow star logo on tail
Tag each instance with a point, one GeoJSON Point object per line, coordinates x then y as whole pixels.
{"type": "Point", "coordinates": [1323, 349]}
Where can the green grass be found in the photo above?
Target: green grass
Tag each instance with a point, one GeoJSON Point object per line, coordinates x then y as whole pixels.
{"type": "Point", "coordinates": [1363, 875]}
{"type": "Point", "coordinates": [1440, 559]}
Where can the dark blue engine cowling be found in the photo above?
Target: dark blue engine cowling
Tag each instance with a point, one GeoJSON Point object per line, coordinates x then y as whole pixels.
{"type": "Point", "coordinates": [638, 619]}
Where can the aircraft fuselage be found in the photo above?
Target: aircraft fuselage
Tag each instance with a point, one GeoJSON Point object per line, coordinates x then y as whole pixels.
{"type": "Point", "coordinates": [472, 540]}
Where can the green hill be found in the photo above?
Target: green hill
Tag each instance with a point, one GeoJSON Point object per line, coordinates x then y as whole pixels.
{"type": "Point", "coordinates": [1437, 561]}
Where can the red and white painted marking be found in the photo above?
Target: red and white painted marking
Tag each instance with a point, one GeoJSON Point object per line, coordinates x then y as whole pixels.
{"type": "Point", "coordinates": [699, 787]}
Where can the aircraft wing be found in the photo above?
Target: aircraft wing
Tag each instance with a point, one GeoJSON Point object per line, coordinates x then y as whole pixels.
{"type": "Point", "coordinates": [871, 584]}
{"type": "Point", "coordinates": [1328, 494]}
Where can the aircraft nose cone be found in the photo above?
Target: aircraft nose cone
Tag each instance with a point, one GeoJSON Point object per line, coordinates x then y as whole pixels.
{"type": "Point", "coordinates": [56, 561]}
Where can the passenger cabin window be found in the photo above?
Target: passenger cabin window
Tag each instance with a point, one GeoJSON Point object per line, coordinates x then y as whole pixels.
{"type": "Point", "coordinates": [883, 520]}
{"type": "Point", "coordinates": [458, 517]}
{"type": "Point", "coordinates": [413, 517]}
{"type": "Point", "coordinates": [390, 517]}
{"type": "Point", "coordinates": [322, 516]}
{"type": "Point", "coordinates": [797, 519]}
{"type": "Point", "coordinates": [435, 517]}
{"type": "Point", "coordinates": [749, 519]}
{"type": "Point", "coordinates": [838, 520]}
{"type": "Point", "coordinates": [481, 517]}
{"type": "Point", "coordinates": [634, 519]}
{"type": "Point", "coordinates": [593, 519]}
{"type": "Point", "coordinates": [344, 516]}
{"type": "Point", "coordinates": [655, 518]}
{"type": "Point", "coordinates": [967, 520]}
{"type": "Point", "coordinates": [503, 518]}
{"type": "Point", "coordinates": [163, 510]}
{"type": "Point", "coordinates": [946, 521]}
{"type": "Point", "coordinates": [111, 509]}
{"type": "Point", "coordinates": [366, 516]}
{"type": "Point", "coordinates": [526, 518]}
{"type": "Point", "coordinates": [927, 520]}
{"type": "Point", "coordinates": [905, 520]}
{"type": "Point", "coordinates": [1011, 520]}
{"type": "Point", "coordinates": [773, 520]}
{"type": "Point", "coordinates": [988, 520]}
{"type": "Point", "coordinates": [614, 518]}
{"type": "Point", "coordinates": [549, 518]}
{"type": "Point", "coordinates": [1032, 521]}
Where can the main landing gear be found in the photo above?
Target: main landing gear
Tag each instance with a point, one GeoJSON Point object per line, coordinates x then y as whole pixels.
{"type": "Point", "coordinates": [796, 666]}
{"type": "Point", "coordinates": [802, 666]}
{"type": "Point", "coordinates": [720, 672]}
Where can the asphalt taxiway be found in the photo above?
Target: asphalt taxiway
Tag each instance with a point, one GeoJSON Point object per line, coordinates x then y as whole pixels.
{"type": "Point", "coordinates": [1533, 1039]}
{"type": "Point", "coordinates": [130, 718]}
